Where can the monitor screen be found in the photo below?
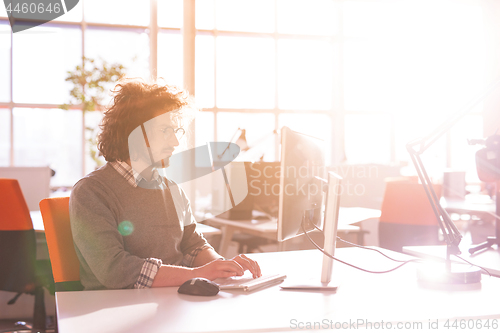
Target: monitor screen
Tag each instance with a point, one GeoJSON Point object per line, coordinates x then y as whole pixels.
{"type": "Point", "coordinates": [301, 187]}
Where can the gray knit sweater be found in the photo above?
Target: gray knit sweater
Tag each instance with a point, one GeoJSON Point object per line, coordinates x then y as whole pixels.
{"type": "Point", "coordinates": [116, 227]}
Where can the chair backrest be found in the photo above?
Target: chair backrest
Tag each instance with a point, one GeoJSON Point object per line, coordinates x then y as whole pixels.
{"type": "Point", "coordinates": [17, 240]}
{"type": "Point", "coordinates": [407, 217]}
{"type": "Point", "coordinates": [34, 182]}
{"type": "Point", "coordinates": [14, 212]}
{"type": "Point", "coordinates": [405, 202]}
{"type": "Point", "coordinates": [65, 263]}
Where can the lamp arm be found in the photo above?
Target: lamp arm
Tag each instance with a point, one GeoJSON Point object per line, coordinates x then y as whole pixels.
{"type": "Point", "coordinates": [262, 139]}
{"type": "Point", "coordinates": [451, 233]}
{"type": "Point", "coordinates": [229, 144]}
{"type": "Point", "coordinates": [419, 146]}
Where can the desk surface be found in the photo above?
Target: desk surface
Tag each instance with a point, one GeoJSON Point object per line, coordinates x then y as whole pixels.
{"type": "Point", "coordinates": [478, 204]}
{"type": "Point", "coordinates": [269, 228]}
{"type": "Point", "coordinates": [362, 298]}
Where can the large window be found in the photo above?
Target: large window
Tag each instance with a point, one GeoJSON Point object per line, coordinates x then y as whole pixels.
{"type": "Point", "coordinates": [409, 65]}
{"type": "Point", "coordinates": [261, 65]}
{"type": "Point", "coordinates": [365, 76]}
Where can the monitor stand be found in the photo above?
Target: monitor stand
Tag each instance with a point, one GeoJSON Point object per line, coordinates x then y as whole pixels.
{"type": "Point", "coordinates": [330, 231]}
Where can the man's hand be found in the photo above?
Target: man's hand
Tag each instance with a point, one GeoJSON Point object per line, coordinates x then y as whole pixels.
{"type": "Point", "coordinates": [249, 264]}
{"type": "Point", "coordinates": [221, 268]}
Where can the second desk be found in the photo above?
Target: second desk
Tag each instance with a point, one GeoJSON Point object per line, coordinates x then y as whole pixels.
{"type": "Point", "coordinates": [268, 228]}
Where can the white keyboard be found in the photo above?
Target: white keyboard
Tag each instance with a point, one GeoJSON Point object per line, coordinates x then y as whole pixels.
{"type": "Point", "coordinates": [248, 283]}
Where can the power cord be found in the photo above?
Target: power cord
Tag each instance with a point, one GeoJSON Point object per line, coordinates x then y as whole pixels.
{"type": "Point", "coordinates": [378, 251]}
{"type": "Point", "coordinates": [350, 265]}
{"type": "Point", "coordinates": [360, 246]}
{"type": "Point", "coordinates": [484, 269]}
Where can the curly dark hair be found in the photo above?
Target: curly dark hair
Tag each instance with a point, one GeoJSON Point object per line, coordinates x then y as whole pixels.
{"type": "Point", "coordinates": [134, 103]}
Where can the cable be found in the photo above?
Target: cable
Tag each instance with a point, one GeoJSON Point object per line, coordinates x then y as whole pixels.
{"type": "Point", "coordinates": [369, 248]}
{"type": "Point", "coordinates": [350, 265]}
{"type": "Point", "coordinates": [362, 247]}
{"type": "Point", "coordinates": [378, 251]}
{"type": "Point", "coordinates": [484, 269]}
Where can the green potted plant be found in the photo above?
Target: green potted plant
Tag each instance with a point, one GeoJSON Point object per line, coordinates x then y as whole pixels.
{"type": "Point", "coordinates": [90, 82]}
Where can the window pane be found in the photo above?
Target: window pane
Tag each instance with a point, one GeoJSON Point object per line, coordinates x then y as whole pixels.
{"type": "Point", "coordinates": [170, 13]}
{"type": "Point", "coordinates": [259, 133]}
{"type": "Point", "coordinates": [204, 128]}
{"type": "Point", "coordinates": [305, 74]}
{"type": "Point", "coordinates": [5, 33]}
{"type": "Point", "coordinates": [317, 125]}
{"type": "Point", "coordinates": [42, 56]}
{"type": "Point", "coordinates": [170, 61]}
{"type": "Point", "coordinates": [317, 17]}
{"type": "Point", "coordinates": [3, 12]}
{"type": "Point", "coordinates": [132, 12]}
{"type": "Point", "coordinates": [114, 47]}
{"type": "Point", "coordinates": [371, 18]}
{"type": "Point", "coordinates": [205, 71]}
{"type": "Point", "coordinates": [4, 137]}
{"type": "Point", "coordinates": [92, 120]}
{"type": "Point", "coordinates": [49, 137]}
{"type": "Point", "coordinates": [245, 72]}
{"type": "Point", "coordinates": [74, 15]}
{"type": "Point", "coordinates": [368, 139]}
{"type": "Point", "coordinates": [205, 10]}
{"type": "Point", "coordinates": [439, 64]}
{"type": "Point", "coordinates": [245, 15]}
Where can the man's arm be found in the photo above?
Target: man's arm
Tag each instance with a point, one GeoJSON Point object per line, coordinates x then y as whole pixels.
{"type": "Point", "coordinates": [208, 264]}
{"type": "Point", "coordinates": [205, 256]}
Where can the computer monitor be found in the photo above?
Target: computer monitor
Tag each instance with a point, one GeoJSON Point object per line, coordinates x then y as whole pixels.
{"type": "Point", "coordinates": [302, 197]}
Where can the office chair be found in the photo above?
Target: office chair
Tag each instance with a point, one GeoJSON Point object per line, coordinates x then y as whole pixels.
{"type": "Point", "coordinates": [407, 218]}
{"type": "Point", "coordinates": [20, 271]}
{"type": "Point", "coordinates": [65, 263]}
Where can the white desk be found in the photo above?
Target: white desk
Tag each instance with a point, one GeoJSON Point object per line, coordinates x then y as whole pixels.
{"type": "Point", "coordinates": [37, 220]}
{"type": "Point", "coordinates": [268, 229]}
{"type": "Point", "coordinates": [394, 297]}
{"type": "Point", "coordinates": [472, 204]}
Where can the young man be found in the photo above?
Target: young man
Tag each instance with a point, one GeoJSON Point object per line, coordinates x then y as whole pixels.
{"type": "Point", "coordinates": [131, 227]}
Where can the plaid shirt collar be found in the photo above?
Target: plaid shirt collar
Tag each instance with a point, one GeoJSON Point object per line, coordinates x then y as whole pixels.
{"type": "Point", "coordinates": [130, 175]}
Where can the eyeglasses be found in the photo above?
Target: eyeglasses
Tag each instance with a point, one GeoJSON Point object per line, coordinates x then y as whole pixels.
{"type": "Point", "coordinates": [179, 132]}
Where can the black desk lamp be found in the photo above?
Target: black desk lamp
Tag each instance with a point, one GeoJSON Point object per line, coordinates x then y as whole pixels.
{"type": "Point", "coordinates": [452, 274]}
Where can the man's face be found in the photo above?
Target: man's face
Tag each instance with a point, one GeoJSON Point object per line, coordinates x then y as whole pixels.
{"type": "Point", "coordinates": [152, 143]}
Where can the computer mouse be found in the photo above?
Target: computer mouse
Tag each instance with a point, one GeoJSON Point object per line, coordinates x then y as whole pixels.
{"type": "Point", "coordinates": [199, 287]}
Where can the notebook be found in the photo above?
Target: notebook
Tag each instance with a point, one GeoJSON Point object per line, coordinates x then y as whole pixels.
{"type": "Point", "coordinates": [247, 283]}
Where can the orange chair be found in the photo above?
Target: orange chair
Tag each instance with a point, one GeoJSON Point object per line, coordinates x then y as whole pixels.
{"type": "Point", "coordinates": [65, 263]}
{"type": "Point", "coordinates": [407, 217]}
{"type": "Point", "coordinates": [20, 271]}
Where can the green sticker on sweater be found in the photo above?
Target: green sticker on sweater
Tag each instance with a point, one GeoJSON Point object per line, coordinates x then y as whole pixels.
{"type": "Point", "coordinates": [125, 228]}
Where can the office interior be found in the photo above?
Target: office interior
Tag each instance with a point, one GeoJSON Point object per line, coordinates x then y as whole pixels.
{"type": "Point", "coordinates": [365, 76]}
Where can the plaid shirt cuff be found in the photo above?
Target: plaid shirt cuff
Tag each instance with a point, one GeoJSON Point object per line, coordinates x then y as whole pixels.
{"type": "Point", "coordinates": [188, 259]}
{"type": "Point", "coordinates": [148, 273]}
